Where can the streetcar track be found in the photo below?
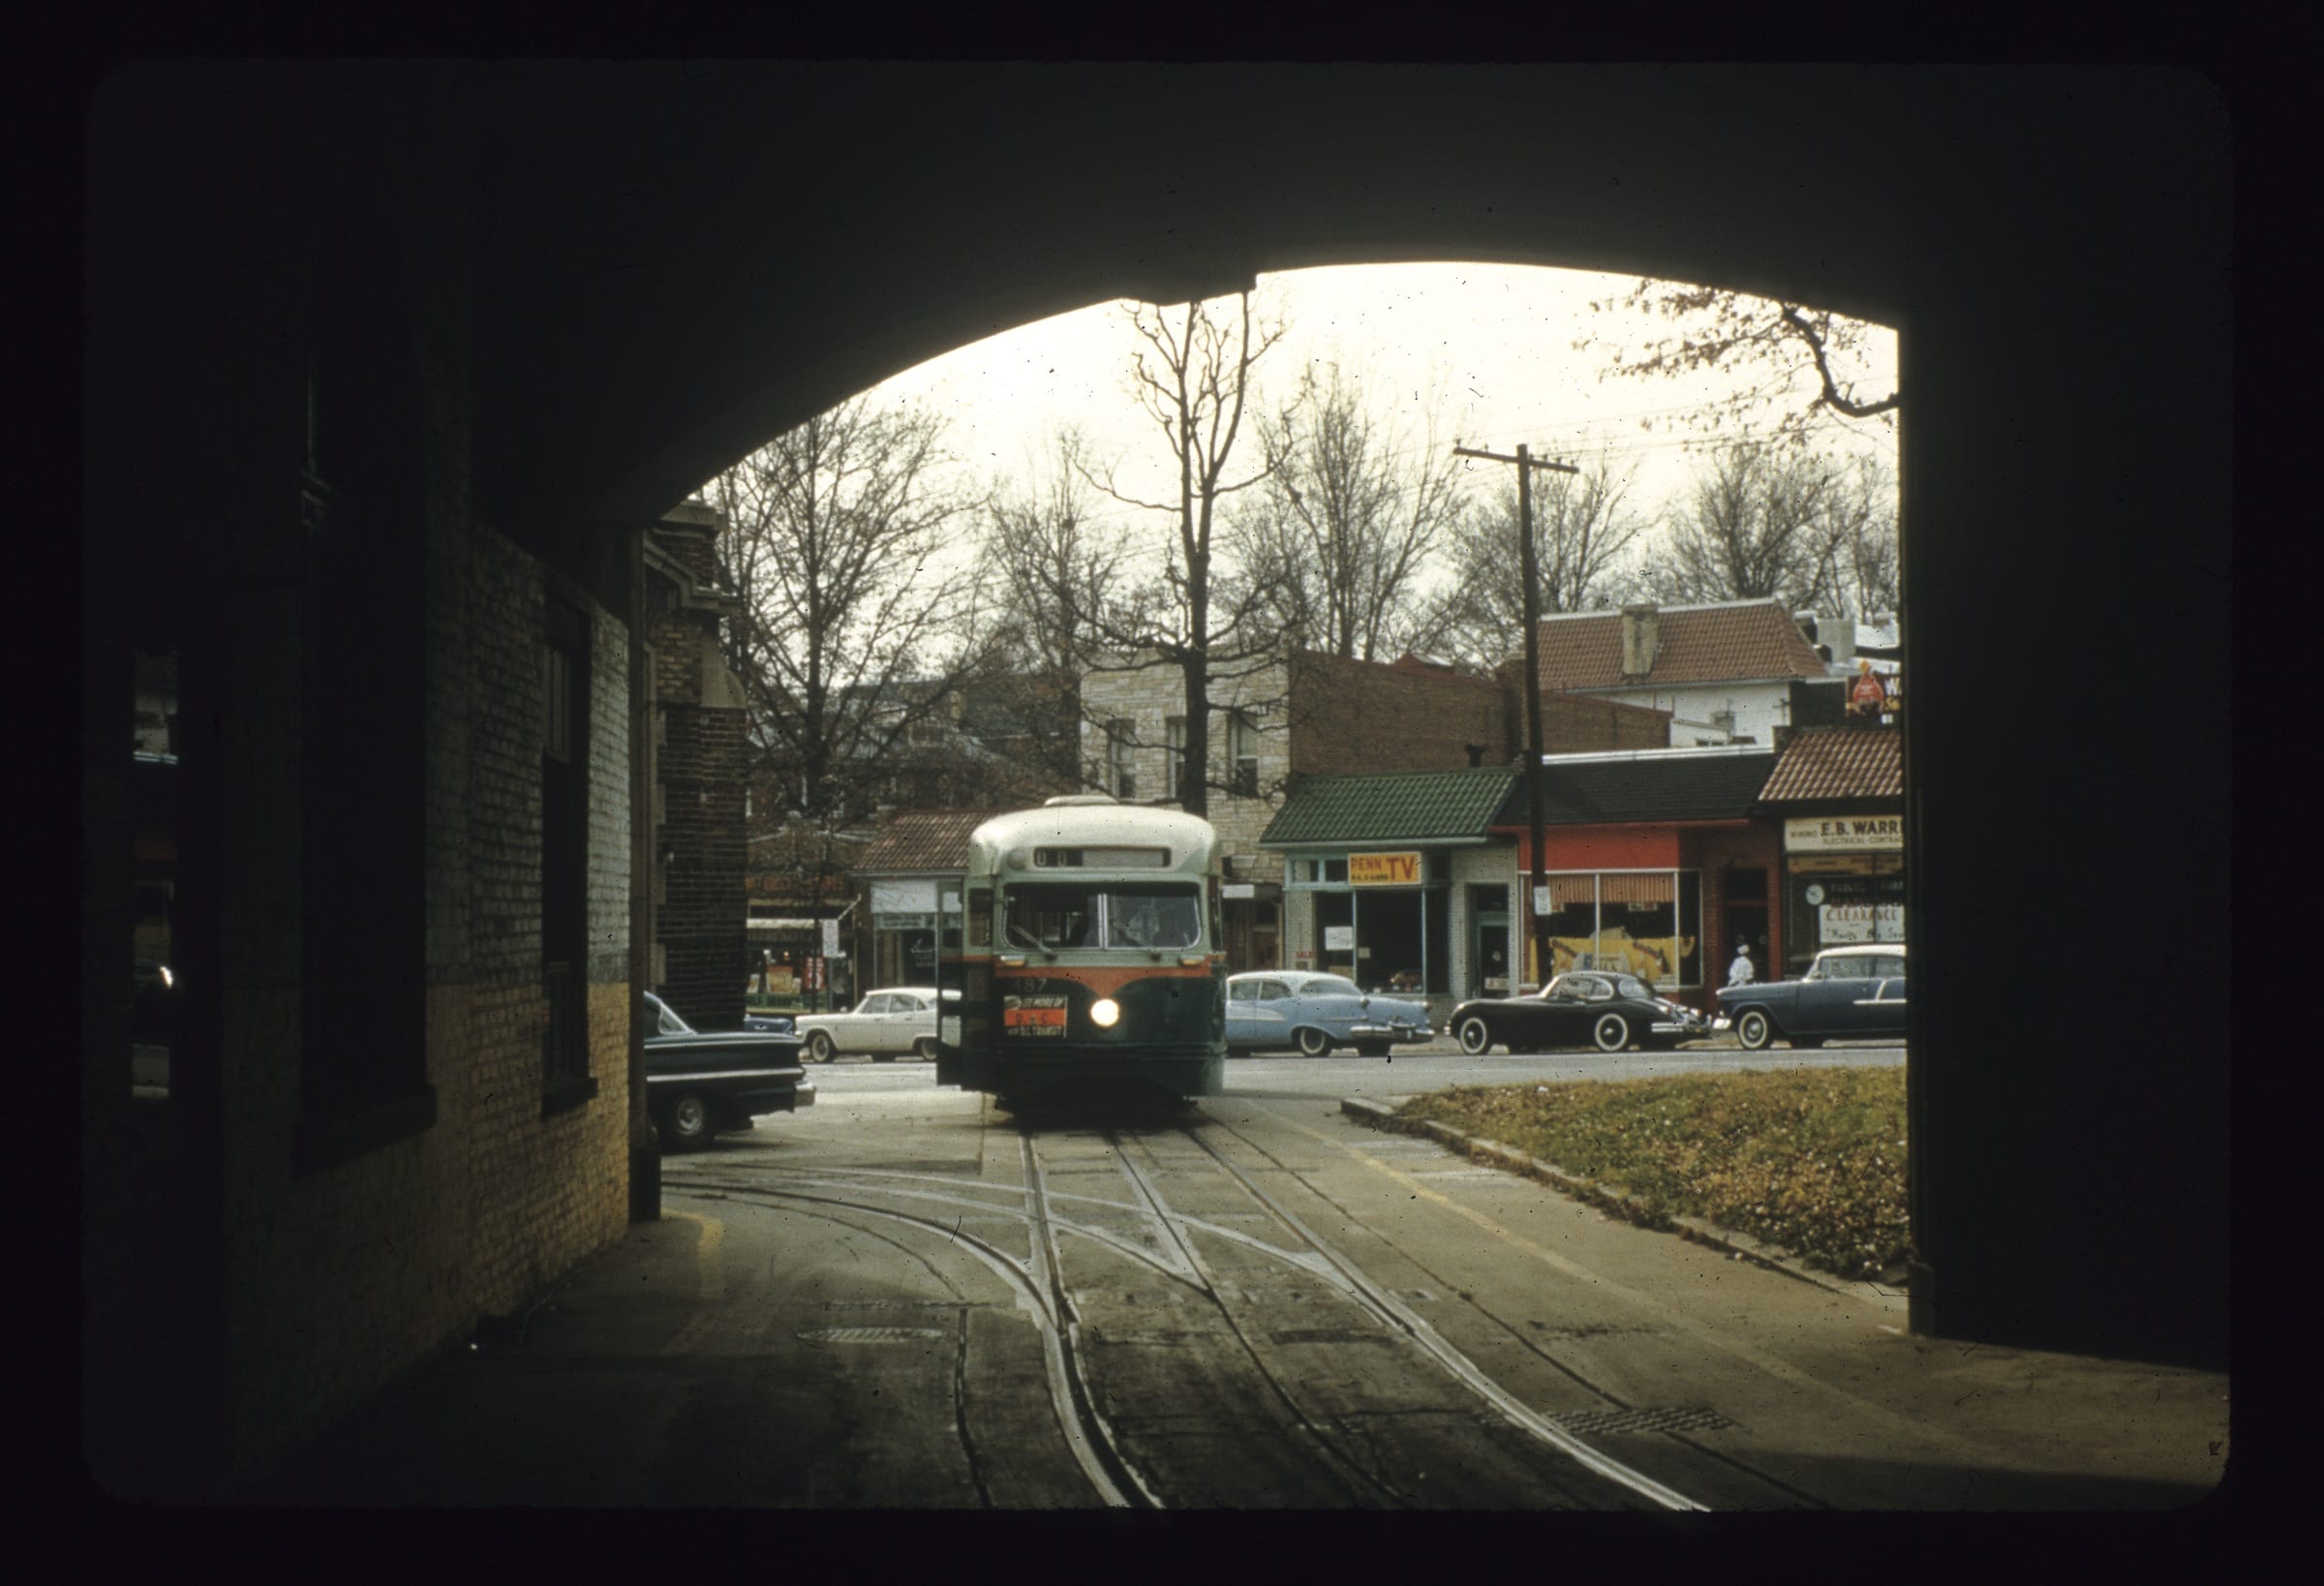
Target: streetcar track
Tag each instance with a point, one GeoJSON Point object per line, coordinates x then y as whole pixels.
{"type": "Point", "coordinates": [1348, 1471]}
{"type": "Point", "coordinates": [1094, 1442]}
{"type": "Point", "coordinates": [1431, 1343]}
{"type": "Point", "coordinates": [1533, 1346]}
{"type": "Point", "coordinates": [1061, 1333]}
{"type": "Point", "coordinates": [1063, 1382]}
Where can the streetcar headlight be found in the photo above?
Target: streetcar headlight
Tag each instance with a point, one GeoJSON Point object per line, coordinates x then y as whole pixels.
{"type": "Point", "coordinates": [1105, 1012]}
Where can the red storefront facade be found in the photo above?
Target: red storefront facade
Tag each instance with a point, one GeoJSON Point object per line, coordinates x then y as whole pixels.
{"type": "Point", "coordinates": [1668, 898]}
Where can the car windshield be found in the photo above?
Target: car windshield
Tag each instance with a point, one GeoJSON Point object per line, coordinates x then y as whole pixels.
{"type": "Point", "coordinates": [667, 1021]}
{"type": "Point", "coordinates": [1328, 986]}
{"type": "Point", "coordinates": [1126, 915]}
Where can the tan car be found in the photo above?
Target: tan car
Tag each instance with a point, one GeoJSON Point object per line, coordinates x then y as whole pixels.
{"type": "Point", "coordinates": [887, 1023]}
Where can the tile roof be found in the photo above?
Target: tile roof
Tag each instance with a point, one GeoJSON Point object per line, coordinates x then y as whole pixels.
{"type": "Point", "coordinates": [1723, 643]}
{"type": "Point", "coordinates": [922, 839]}
{"type": "Point", "coordinates": [1645, 785]}
{"type": "Point", "coordinates": [1390, 806]}
{"type": "Point", "coordinates": [1851, 761]}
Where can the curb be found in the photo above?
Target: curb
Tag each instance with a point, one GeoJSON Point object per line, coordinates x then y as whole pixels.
{"type": "Point", "coordinates": [1606, 1197]}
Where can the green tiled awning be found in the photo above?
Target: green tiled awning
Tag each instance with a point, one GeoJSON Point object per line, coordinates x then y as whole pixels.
{"type": "Point", "coordinates": [1392, 806]}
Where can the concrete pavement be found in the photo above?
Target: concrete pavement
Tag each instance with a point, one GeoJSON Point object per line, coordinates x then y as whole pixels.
{"type": "Point", "coordinates": [693, 1363]}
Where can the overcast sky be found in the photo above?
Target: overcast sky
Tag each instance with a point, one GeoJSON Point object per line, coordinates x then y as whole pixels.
{"type": "Point", "coordinates": [1496, 340]}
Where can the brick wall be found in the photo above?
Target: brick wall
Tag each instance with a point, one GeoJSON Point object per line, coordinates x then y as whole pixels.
{"type": "Point", "coordinates": [700, 847]}
{"type": "Point", "coordinates": [1352, 716]}
{"type": "Point", "coordinates": [338, 1280]}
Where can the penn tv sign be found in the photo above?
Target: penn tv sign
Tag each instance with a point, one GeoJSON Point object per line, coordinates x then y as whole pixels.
{"type": "Point", "coordinates": [1384, 870]}
{"type": "Point", "coordinates": [1845, 834]}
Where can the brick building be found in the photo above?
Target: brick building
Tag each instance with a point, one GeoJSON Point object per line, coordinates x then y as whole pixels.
{"type": "Point", "coordinates": [701, 958]}
{"type": "Point", "coordinates": [1317, 715]}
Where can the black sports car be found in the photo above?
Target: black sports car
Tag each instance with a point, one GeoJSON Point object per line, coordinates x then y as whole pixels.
{"type": "Point", "coordinates": [698, 1083]}
{"type": "Point", "coordinates": [1582, 1008]}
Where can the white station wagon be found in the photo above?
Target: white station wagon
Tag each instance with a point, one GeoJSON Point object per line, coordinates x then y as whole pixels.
{"type": "Point", "coordinates": [887, 1023]}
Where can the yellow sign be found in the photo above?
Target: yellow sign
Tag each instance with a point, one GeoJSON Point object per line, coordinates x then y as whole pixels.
{"type": "Point", "coordinates": [1384, 870]}
{"type": "Point", "coordinates": [1842, 833]}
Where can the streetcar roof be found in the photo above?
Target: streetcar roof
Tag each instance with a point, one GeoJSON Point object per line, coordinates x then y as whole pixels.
{"type": "Point", "coordinates": [1006, 842]}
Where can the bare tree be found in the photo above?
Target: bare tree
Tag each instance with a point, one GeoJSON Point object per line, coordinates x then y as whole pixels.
{"type": "Point", "coordinates": [1055, 572]}
{"type": "Point", "coordinates": [1861, 574]}
{"type": "Point", "coordinates": [1760, 522]}
{"type": "Point", "coordinates": [1582, 532]}
{"type": "Point", "coordinates": [1353, 508]}
{"type": "Point", "coordinates": [1779, 352]}
{"type": "Point", "coordinates": [1192, 377]}
{"type": "Point", "coordinates": [852, 646]}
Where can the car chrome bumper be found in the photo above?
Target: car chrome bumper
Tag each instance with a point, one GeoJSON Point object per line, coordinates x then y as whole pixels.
{"type": "Point", "coordinates": [1723, 1022]}
{"type": "Point", "coordinates": [802, 1094]}
{"type": "Point", "coordinates": [1693, 1027]}
{"type": "Point", "coordinates": [1389, 1032]}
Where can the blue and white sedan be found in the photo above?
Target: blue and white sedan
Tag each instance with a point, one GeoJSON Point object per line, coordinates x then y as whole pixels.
{"type": "Point", "coordinates": [1311, 1013]}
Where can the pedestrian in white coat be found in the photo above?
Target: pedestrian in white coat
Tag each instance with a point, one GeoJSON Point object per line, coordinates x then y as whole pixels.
{"type": "Point", "coordinates": [1740, 972]}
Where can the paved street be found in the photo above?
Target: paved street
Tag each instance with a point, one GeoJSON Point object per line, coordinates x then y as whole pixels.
{"type": "Point", "coordinates": [904, 1297]}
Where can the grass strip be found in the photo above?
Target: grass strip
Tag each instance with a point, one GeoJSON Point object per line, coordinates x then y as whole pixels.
{"type": "Point", "coordinates": [1811, 1161]}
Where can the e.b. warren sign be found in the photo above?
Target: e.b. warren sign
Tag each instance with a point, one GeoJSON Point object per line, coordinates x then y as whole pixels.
{"type": "Point", "coordinates": [1850, 833]}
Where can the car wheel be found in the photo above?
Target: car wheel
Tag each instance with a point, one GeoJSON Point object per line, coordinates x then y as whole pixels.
{"type": "Point", "coordinates": [1476, 1036]}
{"type": "Point", "coordinates": [1611, 1032]}
{"type": "Point", "coordinates": [1314, 1043]}
{"type": "Point", "coordinates": [925, 1049]}
{"type": "Point", "coordinates": [818, 1048]}
{"type": "Point", "coordinates": [687, 1123]}
{"type": "Point", "coordinates": [1755, 1030]}
{"type": "Point", "coordinates": [1371, 1048]}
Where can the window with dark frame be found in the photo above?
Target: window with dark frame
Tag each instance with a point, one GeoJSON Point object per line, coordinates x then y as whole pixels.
{"type": "Point", "coordinates": [1242, 756]}
{"type": "Point", "coordinates": [1120, 744]}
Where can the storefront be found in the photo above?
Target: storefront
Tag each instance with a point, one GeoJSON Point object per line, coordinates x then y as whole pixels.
{"type": "Point", "coordinates": [1388, 874]}
{"type": "Point", "coordinates": [1382, 919]}
{"type": "Point", "coordinates": [1653, 866]}
{"type": "Point", "coordinates": [1844, 883]}
{"type": "Point", "coordinates": [1838, 795]}
{"type": "Point", "coordinates": [903, 931]}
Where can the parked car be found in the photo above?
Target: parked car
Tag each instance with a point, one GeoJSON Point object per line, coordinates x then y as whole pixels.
{"type": "Point", "coordinates": [1582, 1008]}
{"type": "Point", "coordinates": [1849, 993]}
{"type": "Point", "coordinates": [886, 1023]}
{"type": "Point", "coordinates": [698, 1083]}
{"type": "Point", "coordinates": [767, 1022]}
{"type": "Point", "coordinates": [1312, 1013]}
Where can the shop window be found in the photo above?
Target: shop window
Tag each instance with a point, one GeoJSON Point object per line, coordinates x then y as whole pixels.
{"type": "Point", "coordinates": [1174, 758]}
{"type": "Point", "coordinates": [1642, 923]}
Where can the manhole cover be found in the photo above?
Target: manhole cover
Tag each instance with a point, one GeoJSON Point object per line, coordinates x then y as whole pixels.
{"type": "Point", "coordinates": [869, 1336]}
{"type": "Point", "coordinates": [1690, 1418]}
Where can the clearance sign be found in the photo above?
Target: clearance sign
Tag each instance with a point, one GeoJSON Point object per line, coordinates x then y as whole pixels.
{"type": "Point", "coordinates": [1384, 870]}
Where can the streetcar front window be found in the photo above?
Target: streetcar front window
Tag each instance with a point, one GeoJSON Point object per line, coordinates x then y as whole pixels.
{"type": "Point", "coordinates": [1151, 917]}
{"type": "Point", "coordinates": [1136, 916]}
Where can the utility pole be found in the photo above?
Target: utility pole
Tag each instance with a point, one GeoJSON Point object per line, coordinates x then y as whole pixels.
{"type": "Point", "coordinates": [1537, 879]}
